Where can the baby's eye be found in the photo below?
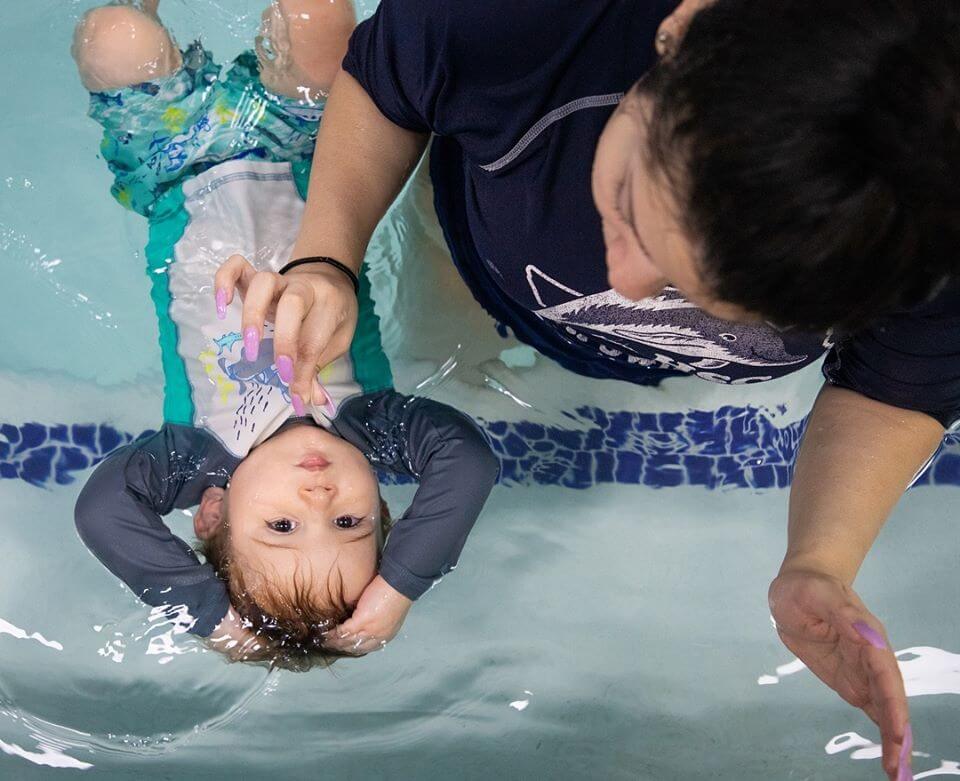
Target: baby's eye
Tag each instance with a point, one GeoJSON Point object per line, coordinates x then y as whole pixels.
{"type": "Point", "coordinates": [282, 525]}
{"type": "Point", "coordinates": [346, 522]}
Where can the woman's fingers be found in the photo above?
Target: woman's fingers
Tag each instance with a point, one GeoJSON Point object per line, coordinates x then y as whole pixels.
{"type": "Point", "coordinates": [235, 273]}
{"type": "Point", "coordinates": [307, 311]}
{"type": "Point", "coordinates": [885, 691]}
{"type": "Point", "coordinates": [292, 309]}
{"type": "Point", "coordinates": [259, 300]}
{"type": "Point", "coordinates": [888, 698]}
{"type": "Point", "coordinates": [317, 331]}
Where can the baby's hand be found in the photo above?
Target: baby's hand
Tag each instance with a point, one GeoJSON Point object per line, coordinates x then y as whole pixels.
{"type": "Point", "coordinates": [233, 638]}
{"type": "Point", "coordinates": [376, 621]}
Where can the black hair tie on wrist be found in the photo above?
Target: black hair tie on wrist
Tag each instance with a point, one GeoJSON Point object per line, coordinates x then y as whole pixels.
{"type": "Point", "coordinates": [330, 262]}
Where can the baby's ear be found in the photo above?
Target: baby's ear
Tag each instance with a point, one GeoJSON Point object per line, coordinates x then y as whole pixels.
{"type": "Point", "coordinates": [209, 514]}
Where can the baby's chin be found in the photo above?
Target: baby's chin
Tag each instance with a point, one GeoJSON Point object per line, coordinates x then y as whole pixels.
{"type": "Point", "coordinates": [301, 439]}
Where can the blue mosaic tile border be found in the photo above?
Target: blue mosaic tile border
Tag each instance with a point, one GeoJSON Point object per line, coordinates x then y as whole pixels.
{"type": "Point", "coordinates": [731, 446]}
{"type": "Point", "coordinates": [43, 455]}
{"type": "Point", "coordinates": [735, 447]}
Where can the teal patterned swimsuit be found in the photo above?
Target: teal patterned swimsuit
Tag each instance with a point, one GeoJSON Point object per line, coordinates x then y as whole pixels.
{"type": "Point", "coordinates": [160, 132]}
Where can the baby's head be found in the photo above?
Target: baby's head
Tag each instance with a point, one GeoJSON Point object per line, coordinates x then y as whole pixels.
{"type": "Point", "coordinates": [296, 535]}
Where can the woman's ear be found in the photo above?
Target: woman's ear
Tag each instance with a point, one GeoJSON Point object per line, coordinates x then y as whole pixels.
{"type": "Point", "coordinates": [210, 513]}
{"type": "Point", "coordinates": [674, 27]}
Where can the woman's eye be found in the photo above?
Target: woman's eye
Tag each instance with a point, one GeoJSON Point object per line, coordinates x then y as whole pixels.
{"type": "Point", "coordinates": [282, 525]}
{"type": "Point", "coordinates": [346, 522]}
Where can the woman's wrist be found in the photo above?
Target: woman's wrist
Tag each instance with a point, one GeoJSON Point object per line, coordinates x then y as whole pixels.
{"type": "Point", "coordinates": [323, 260]}
{"type": "Point", "coordinates": [825, 563]}
{"type": "Point", "coordinates": [328, 272]}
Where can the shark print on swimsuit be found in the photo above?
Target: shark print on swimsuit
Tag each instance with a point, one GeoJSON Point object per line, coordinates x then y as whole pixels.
{"type": "Point", "coordinates": [259, 372]}
{"type": "Point", "coordinates": [666, 332]}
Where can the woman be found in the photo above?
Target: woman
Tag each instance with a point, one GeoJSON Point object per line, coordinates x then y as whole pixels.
{"type": "Point", "coordinates": [768, 170]}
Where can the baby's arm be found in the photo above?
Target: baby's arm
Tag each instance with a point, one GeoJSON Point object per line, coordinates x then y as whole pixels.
{"type": "Point", "coordinates": [118, 518]}
{"type": "Point", "coordinates": [447, 453]}
{"type": "Point", "coordinates": [117, 46]}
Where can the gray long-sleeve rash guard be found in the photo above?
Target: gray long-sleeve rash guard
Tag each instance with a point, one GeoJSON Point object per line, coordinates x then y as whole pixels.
{"type": "Point", "coordinates": [119, 511]}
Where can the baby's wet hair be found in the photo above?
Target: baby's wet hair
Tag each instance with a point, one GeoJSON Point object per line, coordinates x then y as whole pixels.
{"type": "Point", "coordinates": [290, 629]}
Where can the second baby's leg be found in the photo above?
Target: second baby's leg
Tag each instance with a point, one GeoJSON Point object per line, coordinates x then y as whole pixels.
{"type": "Point", "coordinates": [116, 46]}
{"type": "Point", "coordinates": [301, 45]}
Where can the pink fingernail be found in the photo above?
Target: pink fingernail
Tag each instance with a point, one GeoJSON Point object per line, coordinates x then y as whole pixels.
{"type": "Point", "coordinates": [871, 635]}
{"type": "Point", "coordinates": [221, 303]}
{"type": "Point", "coordinates": [905, 773]}
{"type": "Point", "coordinates": [251, 344]}
{"type": "Point", "coordinates": [285, 369]}
{"type": "Point", "coordinates": [298, 407]}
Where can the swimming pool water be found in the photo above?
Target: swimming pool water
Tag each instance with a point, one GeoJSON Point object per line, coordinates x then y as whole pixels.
{"type": "Point", "coordinates": [608, 617]}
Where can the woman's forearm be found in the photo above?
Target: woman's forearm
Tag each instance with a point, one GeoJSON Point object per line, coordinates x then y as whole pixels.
{"type": "Point", "coordinates": [360, 164]}
{"type": "Point", "coordinates": [857, 458]}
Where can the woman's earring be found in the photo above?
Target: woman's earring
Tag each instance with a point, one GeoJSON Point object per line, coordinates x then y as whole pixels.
{"type": "Point", "coordinates": [664, 43]}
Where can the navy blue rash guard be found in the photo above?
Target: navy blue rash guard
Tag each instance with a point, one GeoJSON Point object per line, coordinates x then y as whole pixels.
{"type": "Point", "coordinates": [517, 94]}
{"type": "Point", "coordinates": [118, 513]}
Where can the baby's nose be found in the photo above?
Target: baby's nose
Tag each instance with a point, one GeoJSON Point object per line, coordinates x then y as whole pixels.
{"type": "Point", "coordinates": [321, 493]}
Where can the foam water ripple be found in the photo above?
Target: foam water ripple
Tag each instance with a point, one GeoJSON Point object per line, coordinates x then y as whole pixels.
{"type": "Point", "coordinates": [47, 756]}
{"type": "Point", "coordinates": [6, 628]}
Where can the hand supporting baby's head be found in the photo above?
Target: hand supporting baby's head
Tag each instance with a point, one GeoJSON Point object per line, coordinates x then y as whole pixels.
{"type": "Point", "coordinates": [296, 537]}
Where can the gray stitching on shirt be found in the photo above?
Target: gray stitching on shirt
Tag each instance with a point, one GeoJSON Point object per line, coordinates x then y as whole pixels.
{"type": "Point", "coordinates": [592, 101]}
{"type": "Point", "coordinates": [240, 175]}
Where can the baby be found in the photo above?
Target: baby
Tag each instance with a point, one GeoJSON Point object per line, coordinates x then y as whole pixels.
{"type": "Point", "coordinates": [290, 518]}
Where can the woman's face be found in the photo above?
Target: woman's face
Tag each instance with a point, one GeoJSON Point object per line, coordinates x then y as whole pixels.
{"type": "Point", "coordinates": [647, 247]}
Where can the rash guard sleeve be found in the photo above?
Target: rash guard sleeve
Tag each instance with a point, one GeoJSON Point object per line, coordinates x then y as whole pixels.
{"type": "Point", "coordinates": [118, 517]}
{"type": "Point", "coordinates": [448, 454]}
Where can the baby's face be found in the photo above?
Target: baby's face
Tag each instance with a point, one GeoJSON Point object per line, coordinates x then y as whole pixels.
{"type": "Point", "coordinates": [304, 507]}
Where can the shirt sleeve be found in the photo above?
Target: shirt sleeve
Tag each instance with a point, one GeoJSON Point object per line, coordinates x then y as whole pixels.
{"type": "Point", "coordinates": [397, 57]}
{"type": "Point", "coordinates": [443, 449]}
{"type": "Point", "coordinates": [118, 517]}
{"type": "Point", "coordinates": [909, 360]}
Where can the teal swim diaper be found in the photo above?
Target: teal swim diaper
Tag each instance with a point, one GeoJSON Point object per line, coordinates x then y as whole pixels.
{"type": "Point", "coordinates": [160, 132]}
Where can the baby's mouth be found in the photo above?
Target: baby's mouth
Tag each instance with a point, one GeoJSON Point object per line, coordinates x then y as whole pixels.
{"type": "Point", "coordinates": [314, 463]}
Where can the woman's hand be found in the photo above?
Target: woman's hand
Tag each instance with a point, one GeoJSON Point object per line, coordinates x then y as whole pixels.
{"type": "Point", "coordinates": [314, 311]}
{"type": "Point", "coordinates": [375, 622]}
{"type": "Point", "coordinates": [825, 624]}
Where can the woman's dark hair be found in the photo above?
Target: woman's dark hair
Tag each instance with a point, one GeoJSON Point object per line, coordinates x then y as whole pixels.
{"type": "Point", "coordinates": [814, 150]}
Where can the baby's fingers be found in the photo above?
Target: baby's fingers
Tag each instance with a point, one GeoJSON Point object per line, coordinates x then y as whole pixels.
{"type": "Point", "coordinates": [235, 272]}
{"type": "Point", "coordinates": [336, 642]}
{"type": "Point", "coordinates": [351, 643]}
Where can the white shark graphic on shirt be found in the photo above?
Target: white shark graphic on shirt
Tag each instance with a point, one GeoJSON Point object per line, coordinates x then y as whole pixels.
{"type": "Point", "coordinates": [667, 322]}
